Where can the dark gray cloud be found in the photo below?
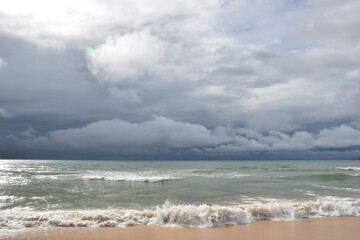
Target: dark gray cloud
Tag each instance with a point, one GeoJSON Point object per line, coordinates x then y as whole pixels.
{"type": "Point", "coordinates": [179, 79]}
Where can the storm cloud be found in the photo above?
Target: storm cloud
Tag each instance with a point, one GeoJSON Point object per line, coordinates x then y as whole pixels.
{"type": "Point", "coordinates": [180, 79]}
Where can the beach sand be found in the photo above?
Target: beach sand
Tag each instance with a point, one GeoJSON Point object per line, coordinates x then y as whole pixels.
{"type": "Point", "coordinates": [334, 228]}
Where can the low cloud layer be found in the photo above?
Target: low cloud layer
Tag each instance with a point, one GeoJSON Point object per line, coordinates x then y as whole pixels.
{"type": "Point", "coordinates": [224, 79]}
{"type": "Point", "coordinates": [160, 132]}
{"type": "Point", "coordinates": [166, 134]}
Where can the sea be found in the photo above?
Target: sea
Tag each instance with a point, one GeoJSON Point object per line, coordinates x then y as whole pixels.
{"type": "Point", "coordinates": [64, 193]}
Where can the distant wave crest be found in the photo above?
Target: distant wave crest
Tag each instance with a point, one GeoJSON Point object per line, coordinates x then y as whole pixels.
{"type": "Point", "coordinates": [157, 176]}
{"type": "Point", "coordinates": [348, 168]}
{"type": "Point", "coordinates": [147, 176]}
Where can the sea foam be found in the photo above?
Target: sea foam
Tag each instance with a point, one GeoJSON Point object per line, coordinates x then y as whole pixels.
{"type": "Point", "coordinates": [348, 168]}
{"type": "Point", "coordinates": [156, 176]}
{"type": "Point", "coordinates": [190, 215]}
{"type": "Point", "coordinates": [146, 176]}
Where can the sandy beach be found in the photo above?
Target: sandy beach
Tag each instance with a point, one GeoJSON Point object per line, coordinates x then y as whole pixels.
{"type": "Point", "coordinates": [323, 228]}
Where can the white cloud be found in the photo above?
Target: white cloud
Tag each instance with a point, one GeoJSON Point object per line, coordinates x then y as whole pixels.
{"type": "Point", "coordinates": [247, 140]}
{"type": "Point", "coordinates": [54, 25]}
{"type": "Point", "coordinates": [127, 57]}
{"type": "Point", "coordinates": [160, 132]}
{"type": "Point", "coordinates": [49, 24]}
{"type": "Point", "coordinates": [343, 136]}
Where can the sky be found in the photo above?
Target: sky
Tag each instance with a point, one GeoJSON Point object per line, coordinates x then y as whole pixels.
{"type": "Point", "coordinates": [180, 79]}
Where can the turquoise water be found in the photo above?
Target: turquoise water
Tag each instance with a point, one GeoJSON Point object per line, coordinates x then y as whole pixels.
{"type": "Point", "coordinates": [186, 193]}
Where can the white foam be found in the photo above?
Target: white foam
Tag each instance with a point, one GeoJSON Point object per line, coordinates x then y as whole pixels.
{"type": "Point", "coordinates": [230, 175]}
{"type": "Point", "coordinates": [349, 168]}
{"type": "Point", "coordinates": [155, 176]}
{"type": "Point", "coordinates": [208, 173]}
{"type": "Point", "coordinates": [146, 176]}
{"type": "Point", "coordinates": [48, 177]}
{"type": "Point", "coordinates": [311, 193]}
{"type": "Point", "coordinates": [354, 190]}
{"type": "Point", "coordinates": [181, 214]}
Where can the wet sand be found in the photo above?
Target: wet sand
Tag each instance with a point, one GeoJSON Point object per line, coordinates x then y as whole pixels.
{"type": "Point", "coordinates": [321, 229]}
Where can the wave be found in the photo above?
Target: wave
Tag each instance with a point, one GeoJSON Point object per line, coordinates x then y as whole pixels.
{"type": "Point", "coordinates": [209, 173]}
{"type": "Point", "coordinates": [354, 190]}
{"type": "Point", "coordinates": [147, 176]}
{"type": "Point", "coordinates": [348, 168]}
{"type": "Point", "coordinates": [325, 177]}
{"type": "Point", "coordinates": [157, 176]}
{"type": "Point", "coordinates": [230, 175]}
{"type": "Point", "coordinates": [201, 171]}
{"type": "Point", "coordinates": [330, 177]}
{"type": "Point", "coordinates": [187, 215]}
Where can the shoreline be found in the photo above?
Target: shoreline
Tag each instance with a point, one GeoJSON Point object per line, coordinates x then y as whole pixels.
{"type": "Point", "coordinates": [328, 228]}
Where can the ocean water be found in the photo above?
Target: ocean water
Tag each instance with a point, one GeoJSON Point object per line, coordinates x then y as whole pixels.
{"type": "Point", "coordinates": [54, 193]}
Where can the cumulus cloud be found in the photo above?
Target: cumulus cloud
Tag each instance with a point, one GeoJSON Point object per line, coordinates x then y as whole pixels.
{"type": "Point", "coordinates": [48, 24]}
{"type": "Point", "coordinates": [343, 136]}
{"type": "Point", "coordinates": [55, 25]}
{"type": "Point", "coordinates": [127, 57]}
{"type": "Point", "coordinates": [160, 132]}
{"type": "Point", "coordinates": [244, 139]}
{"type": "Point", "coordinates": [247, 140]}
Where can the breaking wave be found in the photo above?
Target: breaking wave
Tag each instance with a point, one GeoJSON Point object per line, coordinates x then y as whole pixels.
{"type": "Point", "coordinates": [181, 215]}
{"type": "Point", "coordinates": [354, 190]}
{"type": "Point", "coordinates": [146, 176]}
{"type": "Point", "coordinates": [348, 168]}
{"type": "Point", "coordinates": [157, 176]}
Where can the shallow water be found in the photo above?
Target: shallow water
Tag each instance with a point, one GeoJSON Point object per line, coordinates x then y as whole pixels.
{"type": "Point", "coordinates": [187, 193]}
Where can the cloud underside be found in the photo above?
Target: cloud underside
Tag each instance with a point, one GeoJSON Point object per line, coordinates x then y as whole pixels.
{"type": "Point", "coordinates": [163, 133]}
{"type": "Point", "coordinates": [205, 77]}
